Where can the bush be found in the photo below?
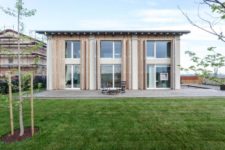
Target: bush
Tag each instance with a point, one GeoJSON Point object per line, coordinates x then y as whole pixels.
{"type": "Point", "coordinates": [3, 87]}
{"type": "Point", "coordinates": [39, 83]}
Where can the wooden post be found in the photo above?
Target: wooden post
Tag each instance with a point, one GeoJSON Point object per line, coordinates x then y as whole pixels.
{"type": "Point", "coordinates": [11, 105]}
{"type": "Point", "coordinates": [32, 104]}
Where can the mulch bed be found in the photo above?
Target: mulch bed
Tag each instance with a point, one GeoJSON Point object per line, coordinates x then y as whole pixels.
{"type": "Point", "coordinates": [8, 138]}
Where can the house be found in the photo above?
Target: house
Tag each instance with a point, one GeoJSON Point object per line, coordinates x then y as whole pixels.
{"type": "Point", "coordinates": [32, 59]}
{"type": "Point", "coordinates": [90, 60]}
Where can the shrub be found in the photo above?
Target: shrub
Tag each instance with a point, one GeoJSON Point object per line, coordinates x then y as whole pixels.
{"type": "Point", "coordinates": [39, 83]}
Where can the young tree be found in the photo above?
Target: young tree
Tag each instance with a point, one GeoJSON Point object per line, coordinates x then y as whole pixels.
{"type": "Point", "coordinates": [32, 102]}
{"type": "Point", "coordinates": [208, 66]}
{"type": "Point", "coordinates": [11, 104]}
{"type": "Point", "coordinates": [19, 12]}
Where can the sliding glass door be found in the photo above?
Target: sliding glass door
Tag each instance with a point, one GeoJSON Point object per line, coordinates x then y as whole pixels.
{"type": "Point", "coordinates": [151, 76]}
{"type": "Point", "coordinates": [110, 76]}
{"type": "Point", "coordinates": [162, 76]}
{"type": "Point", "coordinates": [72, 76]}
{"type": "Point", "coordinates": [158, 76]}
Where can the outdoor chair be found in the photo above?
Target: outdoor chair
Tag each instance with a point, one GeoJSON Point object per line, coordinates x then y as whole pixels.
{"type": "Point", "coordinates": [105, 88]}
{"type": "Point", "coordinates": [123, 87]}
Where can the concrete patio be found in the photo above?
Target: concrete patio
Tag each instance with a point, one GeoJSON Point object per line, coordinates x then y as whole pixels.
{"type": "Point", "coordinates": [184, 92]}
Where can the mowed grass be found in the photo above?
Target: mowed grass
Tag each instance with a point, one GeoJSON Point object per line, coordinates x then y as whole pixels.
{"type": "Point", "coordinates": [123, 124]}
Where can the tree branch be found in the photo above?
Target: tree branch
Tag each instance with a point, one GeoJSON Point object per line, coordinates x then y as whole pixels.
{"type": "Point", "coordinates": [211, 31]}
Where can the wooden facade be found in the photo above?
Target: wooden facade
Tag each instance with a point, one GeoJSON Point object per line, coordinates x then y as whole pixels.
{"type": "Point", "coordinates": [133, 60]}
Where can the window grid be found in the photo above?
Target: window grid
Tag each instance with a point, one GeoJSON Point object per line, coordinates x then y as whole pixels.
{"type": "Point", "coordinates": [113, 50]}
{"type": "Point", "coordinates": [71, 50]}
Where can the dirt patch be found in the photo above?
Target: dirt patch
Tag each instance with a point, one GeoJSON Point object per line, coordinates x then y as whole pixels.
{"type": "Point", "coordinates": [8, 138]}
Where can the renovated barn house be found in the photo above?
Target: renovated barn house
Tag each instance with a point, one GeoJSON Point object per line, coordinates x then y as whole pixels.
{"type": "Point", "coordinates": [88, 60]}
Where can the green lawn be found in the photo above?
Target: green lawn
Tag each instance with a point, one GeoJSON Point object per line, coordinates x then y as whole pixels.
{"type": "Point", "coordinates": [123, 124]}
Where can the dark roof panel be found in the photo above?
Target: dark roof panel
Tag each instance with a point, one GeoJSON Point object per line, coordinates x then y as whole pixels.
{"type": "Point", "coordinates": [114, 32]}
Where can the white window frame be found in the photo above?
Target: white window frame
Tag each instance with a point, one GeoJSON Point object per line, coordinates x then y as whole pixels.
{"type": "Point", "coordinates": [154, 42]}
{"type": "Point", "coordinates": [155, 66]}
{"type": "Point", "coordinates": [73, 61]}
{"type": "Point", "coordinates": [72, 48]}
{"type": "Point", "coordinates": [113, 74]}
{"type": "Point", "coordinates": [71, 75]}
{"type": "Point", "coordinates": [113, 50]}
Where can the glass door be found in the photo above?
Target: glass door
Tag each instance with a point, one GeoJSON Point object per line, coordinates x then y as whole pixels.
{"type": "Point", "coordinates": [162, 76]}
{"type": "Point", "coordinates": [158, 76]}
{"type": "Point", "coordinates": [110, 76]}
{"type": "Point", "coordinates": [150, 76]}
{"type": "Point", "coordinates": [72, 76]}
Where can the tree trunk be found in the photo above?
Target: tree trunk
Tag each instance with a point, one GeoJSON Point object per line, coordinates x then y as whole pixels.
{"type": "Point", "coordinates": [32, 103]}
{"type": "Point", "coordinates": [20, 85]}
{"type": "Point", "coordinates": [11, 105]}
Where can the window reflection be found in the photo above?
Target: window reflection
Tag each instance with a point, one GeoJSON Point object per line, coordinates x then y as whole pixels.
{"type": "Point", "coordinates": [68, 76]}
{"type": "Point", "coordinates": [72, 49]}
{"type": "Point", "coordinates": [110, 76]}
{"type": "Point", "coordinates": [106, 76]}
{"type": "Point", "coordinates": [163, 49]}
{"type": "Point", "coordinates": [72, 76]}
{"type": "Point", "coordinates": [117, 75]}
{"type": "Point", "coordinates": [76, 49]}
{"type": "Point", "coordinates": [150, 49]}
{"type": "Point", "coordinates": [68, 53]}
{"type": "Point", "coordinates": [106, 49]}
{"type": "Point", "coordinates": [118, 49]}
{"type": "Point", "coordinates": [110, 49]}
{"type": "Point", "coordinates": [162, 76]}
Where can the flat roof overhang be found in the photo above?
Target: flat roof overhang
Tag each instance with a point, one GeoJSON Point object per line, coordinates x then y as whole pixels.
{"type": "Point", "coordinates": [116, 32]}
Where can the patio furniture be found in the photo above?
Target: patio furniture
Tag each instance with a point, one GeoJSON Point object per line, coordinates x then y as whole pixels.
{"type": "Point", "coordinates": [105, 88]}
{"type": "Point", "coordinates": [123, 87]}
{"type": "Point", "coordinates": [113, 91]}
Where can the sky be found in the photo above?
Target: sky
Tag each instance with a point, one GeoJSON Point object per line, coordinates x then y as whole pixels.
{"type": "Point", "coordinates": [121, 15]}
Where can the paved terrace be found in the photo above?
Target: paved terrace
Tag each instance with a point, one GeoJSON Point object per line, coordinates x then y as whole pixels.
{"type": "Point", "coordinates": [184, 92]}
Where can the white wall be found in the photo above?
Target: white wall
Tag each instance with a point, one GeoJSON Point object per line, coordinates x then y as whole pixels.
{"type": "Point", "coordinates": [134, 59]}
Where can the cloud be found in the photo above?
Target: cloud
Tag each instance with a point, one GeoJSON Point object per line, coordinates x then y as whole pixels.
{"type": "Point", "coordinates": [101, 24]}
{"type": "Point", "coordinates": [160, 15]}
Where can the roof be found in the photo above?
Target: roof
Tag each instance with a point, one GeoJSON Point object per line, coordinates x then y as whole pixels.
{"type": "Point", "coordinates": [13, 31]}
{"type": "Point", "coordinates": [113, 32]}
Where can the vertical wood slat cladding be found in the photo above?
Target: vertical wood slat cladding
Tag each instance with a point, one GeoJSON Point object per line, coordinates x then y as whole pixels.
{"type": "Point", "coordinates": [127, 65]}
{"type": "Point", "coordinates": [61, 69]}
{"type": "Point", "coordinates": [82, 65]}
{"type": "Point", "coordinates": [123, 63]}
{"type": "Point", "coordinates": [129, 82]}
{"type": "Point", "coordinates": [172, 64]}
{"type": "Point", "coordinates": [58, 64]}
{"type": "Point", "coordinates": [58, 60]}
{"type": "Point", "coordinates": [87, 64]}
{"type": "Point", "coordinates": [54, 41]}
{"type": "Point", "coordinates": [144, 66]}
{"type": "Point", "coordinates": [140, 65]}
{"type": "Point", "coordinates": [98, 71]}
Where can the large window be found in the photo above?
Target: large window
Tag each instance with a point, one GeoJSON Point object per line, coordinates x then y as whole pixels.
{"type": "Point", "coordinates": [111, 49]}
{"type": "Point", "coordinates": [110, 76]}
{"type": "Point", "coordinates": [72, 74]}
{"type": "Point", "coordinates": [158, 76]}
{"type": "Point", "coordinates": [162, 76]}
{"type": "Point", "coordinates": [72, 49]}
{"type": "Point", "coordinates": [163, 49]}
{"type": "Point", "coordinates": [158, 49]}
